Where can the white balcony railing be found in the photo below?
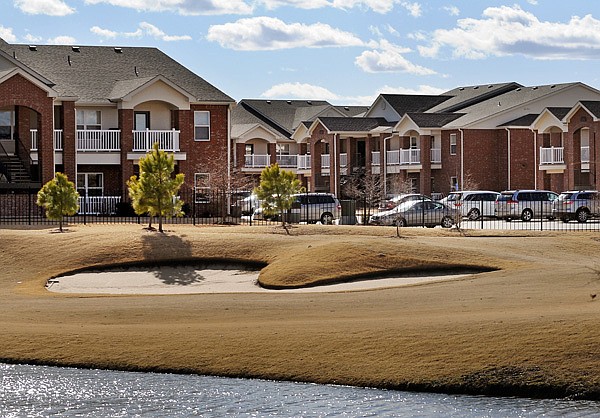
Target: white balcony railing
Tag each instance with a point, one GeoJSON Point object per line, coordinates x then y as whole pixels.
{"type": "Point", "coordinates": [325, 161]}
{"type": "Point", "coordinates": [585, 154]}
{"type": "Point", "coordinates": [392, 157]}
{"type": "Point", "coordinates": [98, 140]}
{"type": "Point", "coordinates": [303, 162]}
{"type": "Point", "coordinates": [95, 205]}
{"type": "Point", "coordinates": [375, 158]}
{"type": "Point", "coordinates": [287, 160]}
{"type": "Point", "coordinates": [57, 136]}
{"type": "Point", "coordinates": [410, 156]}
{"type": "Point", "coordinates": [436, 155]}
{"type": "Point", "coordinates": [257, 160]}
{"type": "Point", "coordinates": [344, 160]}
{"type": "Point", "coordinates": [552, 155]}
{"type": "Point", "coordinates": [167, 140]}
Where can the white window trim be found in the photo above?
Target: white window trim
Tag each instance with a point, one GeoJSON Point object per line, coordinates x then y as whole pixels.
{"type": "Point", "coordinates": [453, 144]}
{"type": "Point", "coordinates": [85, 185]}
{"type": "Point", "coordinates": [83, 125]}
{"type": "Point", "coordinates": [203, 126]}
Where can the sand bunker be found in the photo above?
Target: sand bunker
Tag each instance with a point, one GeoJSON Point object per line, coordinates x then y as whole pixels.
{"type": "Point", "coordinates": [202, 279]}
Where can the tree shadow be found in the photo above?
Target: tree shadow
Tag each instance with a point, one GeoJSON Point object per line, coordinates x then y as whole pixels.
{"type": "Point", "coordinates": [171, 259]}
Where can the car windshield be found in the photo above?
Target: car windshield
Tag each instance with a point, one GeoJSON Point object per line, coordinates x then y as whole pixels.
{"type": "Point", "coordinates": [453, 197]}
{"type": "Point", "coordinates": [404, 206]}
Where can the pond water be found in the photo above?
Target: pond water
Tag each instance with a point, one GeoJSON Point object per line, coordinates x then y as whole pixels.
{"type": "Point", "coordinates": [39, 391]}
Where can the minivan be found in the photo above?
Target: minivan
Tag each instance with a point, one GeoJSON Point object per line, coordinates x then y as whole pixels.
{"type": "Point", "coordinates": [472, 203]}
{"type": "Point", "coordinates": [312, 208]}
{"type": "Point", "coordinates": [525, 204]}
{"type": "Point", "coordinates": [579, 205]}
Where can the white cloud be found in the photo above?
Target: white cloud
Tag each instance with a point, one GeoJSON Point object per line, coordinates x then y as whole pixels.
{"type": "Point", "coordinates": [144, 29]}
{"type": "Point", "coordinates": [62, 40]}
{"type": "Point", "coordinates": [267, 33]}
{"type": "Point", "coordinates": [534, 2]}
{"type": "Point", "coordinates": [413, 8]}
{"type": "Point", "coordinates": [7, 34]}
{"type": "Point", "coordinates": [452, 10]}
{"type": "Point", "coordinates": [309, 91]}
{"type": "Point", "coordinates": [183, 7]}
{"type": "Point", "coordinates": [103, 33]}
{"type": "Point", "coordinates": [299, 91]}
{"type": "Point", "coordinates": [32, 39]}
{"type": "Point", "coordinates": [507, 30]}
{"type": "Point", "coordinates": [387, 57]}
{"type": "Point", "coordinates": [44, 7]}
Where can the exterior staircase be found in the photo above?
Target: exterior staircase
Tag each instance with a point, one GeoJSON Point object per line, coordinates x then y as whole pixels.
{"type": "Point", "coordinates": [12, 170]}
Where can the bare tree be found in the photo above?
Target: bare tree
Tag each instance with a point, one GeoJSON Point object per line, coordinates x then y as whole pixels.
{"type": "Point", "coordinates": [365, 187]}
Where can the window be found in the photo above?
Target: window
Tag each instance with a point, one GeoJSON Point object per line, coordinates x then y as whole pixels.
{"type": "Point", "coordinates": [249, 149]}
{"type": "Point", "coordinates": [453, 183]}
{"type": "Point", "coordinates": [202, 126]}
{"type": "Point", "coordinates": [413, 142]}
{"type": "Point", "coordinates": [283, 149]}
{"type": "Point", "coordinates": [89, 119]}
{"type": "Point", "coordinates": [6, 124]}
{"type": "Point", "coordinates": [90, 184]}
{"type": "Point", "coordinates": [452, 144]}
{"type": "Point", "coordinates": [202, 187]}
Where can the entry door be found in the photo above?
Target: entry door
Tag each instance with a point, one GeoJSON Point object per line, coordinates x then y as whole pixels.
{"type": "Point", "coordinates": [142, 121]}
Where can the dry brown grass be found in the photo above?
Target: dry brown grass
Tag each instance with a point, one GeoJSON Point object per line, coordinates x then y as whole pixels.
{"type": "Point", "coordinates": [527, 328]}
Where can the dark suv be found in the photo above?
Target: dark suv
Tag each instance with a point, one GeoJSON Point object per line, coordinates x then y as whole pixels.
{"type": "Point", "coordinates": [579, 205]}
{"type": "Point", "coordinates": [525, 204]}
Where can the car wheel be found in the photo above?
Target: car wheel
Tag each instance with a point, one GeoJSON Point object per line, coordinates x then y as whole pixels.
{"type": "Point", "coordinates": [327, 218]}
{"type": "Point", "coordinates": [473, 214]}
{"type": "Point", "coordinates": [401, 222]}
{"type": "Point", "coordinates": [582, 215]}
{"type": "Point", "coordinates": [527, 215]}
{"type": "Point", "coordinates": [447, 222]}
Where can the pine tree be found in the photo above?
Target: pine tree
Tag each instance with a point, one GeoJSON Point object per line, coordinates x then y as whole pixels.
{"type": "Point", "coordinates": [276, 191]}
{"type": "Point", "coordinates": [155, 192]}
{"type": "Point", "coordinates": [59, 198]}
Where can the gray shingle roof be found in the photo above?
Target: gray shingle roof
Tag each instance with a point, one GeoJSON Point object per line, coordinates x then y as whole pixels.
{"type": "Point", "coordinates": [433, 120]}
{"type": "Point", "coordinates": [90, 73]}
{"type": "Point", "coordinates": [523, 121]}
{"type": "Point", "coordinates": [592, 106]}
{"type": "Point", "coordinates": [559, 112]}
{"type": "Point", "coordinates": [284, 115]}
{"type": "Point", "coordinates": [350, 124]}
{"type": "Point", "coordinates": [466, 96]}
{"type": "Point", "coordinates": [405, 103]}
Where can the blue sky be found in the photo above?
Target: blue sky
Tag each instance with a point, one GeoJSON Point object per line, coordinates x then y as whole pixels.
{"type": "Point", "coordinates": [343, 51]}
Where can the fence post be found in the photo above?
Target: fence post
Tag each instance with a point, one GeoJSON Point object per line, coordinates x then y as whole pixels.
{"type": "Point", "coordinates": [85, 204]}
{"type": "Point", "coordinates": [481, 213]}
{"type": "Point", "coordinates": [194, 206]}
{"type": "Point", "coordinates": [29, 205]}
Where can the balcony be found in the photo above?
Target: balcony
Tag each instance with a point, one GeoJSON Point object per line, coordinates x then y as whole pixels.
{"type": "Point", "coordinates": [585, 155]}
{"type": "Point", "coordinates": [343, 160]}
{"type": "Point", "coordinates": [58, 139]}
{"type": "Point", "coordinates": [287, 161]}
{"type": "Point", "coordinates": [143, 141]}
{"type": "Point", "coordinates": [375, 158]}
{"type": "Point", "coordinates": [404, 157]}
{"type": "Point", "coordinates": [552, 155]}
{"type": "Point", "coordinates": [436, 156]}
{"type": "Point", "coordinates": [325, 161]}
{"type": "Point", "coordinates": [257, 160]}
{"type": "Point", "coordinates": [303, 162]}
{"type": "Point", "coordinates": [101, 140]}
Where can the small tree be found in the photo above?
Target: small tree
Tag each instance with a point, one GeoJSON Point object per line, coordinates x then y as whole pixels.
{"type": "Point", "coordinates": [276, 191]}
{"type": "Point", "coordinates": [156, 189]}
{"type": "Point", "coordinates": [59, 198]}
{"type": "Point", "coordinates": [365, 187]}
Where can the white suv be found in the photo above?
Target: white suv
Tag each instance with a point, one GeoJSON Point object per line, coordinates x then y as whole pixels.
{"type": "Point", "coordinates": [579, 205]}
{"type": "Point", "coordinates": [472, 203]}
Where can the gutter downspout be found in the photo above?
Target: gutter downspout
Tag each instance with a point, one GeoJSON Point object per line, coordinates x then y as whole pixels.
{"type": "Point", "coordinates": [508, 158]}
{"type": "Point", "coordinates": [229, 151]}
{"type": "Point", "coordinates": [462, 157]}
{"type": "Point", "coordinates": [535, 158]}
{"type": "Point", "coordinates": [383, 162]}
{"type": "Point", "coordinates": [335, 165]}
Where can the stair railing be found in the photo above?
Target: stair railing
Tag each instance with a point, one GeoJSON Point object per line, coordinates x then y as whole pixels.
{"type": "Point", "coordinates": [25, 156]}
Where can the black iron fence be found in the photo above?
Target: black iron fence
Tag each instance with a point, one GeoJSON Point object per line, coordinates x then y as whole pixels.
{"type": "Point", "coordinates": [242, 208]}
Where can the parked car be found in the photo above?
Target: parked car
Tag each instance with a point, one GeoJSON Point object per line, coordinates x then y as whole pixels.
{"type": "Point", "coordinates": [248, 204]}
{"type": "Point", "coordinates": [579, 205]}
{"type": "Point", "coordinates": [310, 208]}
{"type": "Point", "coordinates": [525, 204]}
{"type": "Point", "coordinates": [472, 203]}
{"type": "Point", "coordinates": [417, 213]}
{"type": "Point", "coordinates": [401, 198]}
